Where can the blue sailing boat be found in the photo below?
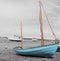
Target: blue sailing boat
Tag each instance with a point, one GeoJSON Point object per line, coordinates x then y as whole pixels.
{"type": "Point", "coordinates": [43, 50]}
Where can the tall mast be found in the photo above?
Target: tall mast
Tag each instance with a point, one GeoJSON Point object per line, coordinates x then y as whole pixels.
{"type": "Point", "coordinates": [41, 26]}
{"type": "Point", "coordinates": [48, 21]}
{"type": "Point", "coordinates": [21, 35]}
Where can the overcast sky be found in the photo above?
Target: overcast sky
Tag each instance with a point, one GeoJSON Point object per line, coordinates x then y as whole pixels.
{"type": "Point", "coordinates": [13, 11]}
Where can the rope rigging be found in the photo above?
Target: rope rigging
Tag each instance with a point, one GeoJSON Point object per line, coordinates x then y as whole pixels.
{"type": "Point", "coordinates": [48, 20]}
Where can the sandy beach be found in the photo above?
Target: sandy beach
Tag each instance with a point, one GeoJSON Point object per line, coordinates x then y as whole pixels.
{"type": "Point", "coordinates": [7, 53]}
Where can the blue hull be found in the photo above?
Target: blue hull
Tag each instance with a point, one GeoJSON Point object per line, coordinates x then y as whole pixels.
{"type": "Point", "coordinates": [38, 51]}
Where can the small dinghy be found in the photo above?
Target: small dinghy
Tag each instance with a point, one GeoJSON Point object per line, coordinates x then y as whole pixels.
{"type": "Point", "coordinates": [43, 50]}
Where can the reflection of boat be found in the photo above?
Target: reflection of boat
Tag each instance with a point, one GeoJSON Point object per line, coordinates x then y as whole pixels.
{"type": "Point", "coordinates": [42, 50]}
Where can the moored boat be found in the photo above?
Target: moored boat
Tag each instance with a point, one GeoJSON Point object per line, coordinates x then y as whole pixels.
{"type": "Point", "coordinates": [47, 50]}
{"type": "Point", "coordinates": [43, 50]}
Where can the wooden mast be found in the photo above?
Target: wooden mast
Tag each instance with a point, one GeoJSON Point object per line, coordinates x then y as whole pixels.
{"type": "Point", "coordinates": [48, 22]}
{"type": "Point", "coordinates": [21, 35]}
{"type": "Point", "coordinates": [41, 26]}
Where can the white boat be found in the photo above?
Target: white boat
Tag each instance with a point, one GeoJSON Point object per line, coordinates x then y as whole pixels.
{"type": "Point", "coordinates": [18, 39]}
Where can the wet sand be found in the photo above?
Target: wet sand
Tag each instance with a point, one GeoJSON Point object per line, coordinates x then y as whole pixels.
{"type": "Point", "coordinates": [7, 53]}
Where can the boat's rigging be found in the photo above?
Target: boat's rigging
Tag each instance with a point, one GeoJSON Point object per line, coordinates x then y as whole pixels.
{"type": "Point", "coordinates": [40, 3]}
{"type": "Point", "coordinates": [41, 25]}
{"type": "Point", "coordinates": [48, 22]}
